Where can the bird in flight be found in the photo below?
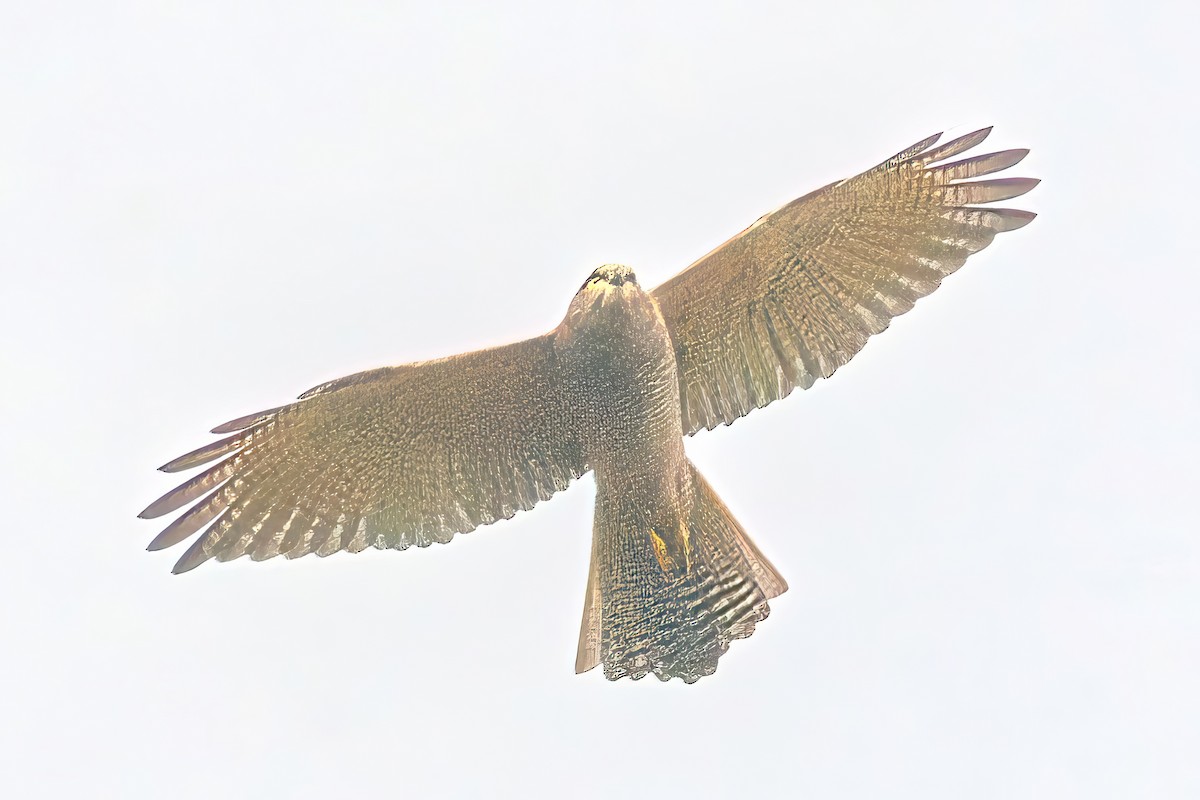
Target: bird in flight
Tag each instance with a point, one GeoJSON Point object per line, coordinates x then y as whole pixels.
{"type": "Point", "coordinates": [413, 454]}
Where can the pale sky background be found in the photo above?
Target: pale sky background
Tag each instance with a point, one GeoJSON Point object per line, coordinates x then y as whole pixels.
{"type": "Point", "coordinates": [988, 519]}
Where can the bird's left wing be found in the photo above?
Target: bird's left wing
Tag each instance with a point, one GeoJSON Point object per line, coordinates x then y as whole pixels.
{"type": "Point", "coordinates": [797, 294]}
{"type": "Point", "coordinates": [387, 458]}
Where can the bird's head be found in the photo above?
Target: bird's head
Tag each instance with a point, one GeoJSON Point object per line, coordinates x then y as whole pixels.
{"type": "Point", "coordinates": [609, 287]}
{"type": "Point", "coordinates": [610, 296]}
{"type": "Point", "coordinates": [610, 275]}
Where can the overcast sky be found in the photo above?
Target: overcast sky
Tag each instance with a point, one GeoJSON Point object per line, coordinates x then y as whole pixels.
{"type": "Point", "coordinates": [988, 518]}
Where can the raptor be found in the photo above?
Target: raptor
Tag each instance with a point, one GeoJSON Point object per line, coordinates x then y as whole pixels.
{"type": "Point", "coordinates": [414, 454]}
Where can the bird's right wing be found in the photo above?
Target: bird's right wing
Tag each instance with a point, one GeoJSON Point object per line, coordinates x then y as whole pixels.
{"type": "Point", "coordinates": [797, 294]}
{"type": "Point", "coordinates": [387, 458]}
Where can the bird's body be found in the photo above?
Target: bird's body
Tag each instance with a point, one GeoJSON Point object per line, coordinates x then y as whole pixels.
{"type": "Point", "coordinates": [669, 585]}
{"type": "Point", "coordinates": [616, 360]}
{"type": "Point", "coordinates": [617, 364]}
{"type": "Point", "coordinates": [412, 455]}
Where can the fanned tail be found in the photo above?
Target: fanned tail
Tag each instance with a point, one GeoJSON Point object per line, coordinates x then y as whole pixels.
{"type": "Point", "coordinates": [646, 614]}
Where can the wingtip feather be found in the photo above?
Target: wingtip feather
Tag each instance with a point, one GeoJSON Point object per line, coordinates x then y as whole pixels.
{"type": "Point", "coordinates": [243, 422]}
{"type": "Point", "coordinates": [194, 557]}
{"type": "Point", "coordinates": [989, 191]}
{"type": "Point", "coordinates": [954, 146]}
{"type": "Point", "coordinates": [1012, 219]}
{"type": "Point", "coordinates": [205, 454]}
{"type": "Point", "coordinates": [159, 507]}
{"type": "Point", "coordinates": [163, 505]}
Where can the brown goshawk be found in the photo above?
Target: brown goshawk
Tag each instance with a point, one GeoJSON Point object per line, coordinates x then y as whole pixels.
{"type": "Point", "coordinates": [413, 454]}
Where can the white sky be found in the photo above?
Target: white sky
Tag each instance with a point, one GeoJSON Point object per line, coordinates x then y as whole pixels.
{"type": "Point", "coordinates": [988, 519]}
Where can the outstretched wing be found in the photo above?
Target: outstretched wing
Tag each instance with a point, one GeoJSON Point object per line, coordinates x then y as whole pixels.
{"type": "Point", "coordinates": [387, 458]}
{"type": "Point", "coordinates": [797, 294]}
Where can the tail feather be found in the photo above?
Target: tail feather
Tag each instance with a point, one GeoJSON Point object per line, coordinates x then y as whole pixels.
{"type": "Point", "coordinates": [588, 654]}
{"type": "Point", "coordinates": [641, 618]}
{"type": "Point", "coordinates": [768, 578]}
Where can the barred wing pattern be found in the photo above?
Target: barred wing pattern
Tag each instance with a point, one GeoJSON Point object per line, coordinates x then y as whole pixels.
{"type": "Point", "coordinates": [388, 458]}
{"type": "Point", "coordinates": [797, 294]}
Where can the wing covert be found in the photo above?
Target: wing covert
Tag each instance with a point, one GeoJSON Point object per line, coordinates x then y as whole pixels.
{"type": "Point", "coordinates": [387, 458]}
{"type": "Point", "coordinates": [798, 293]}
